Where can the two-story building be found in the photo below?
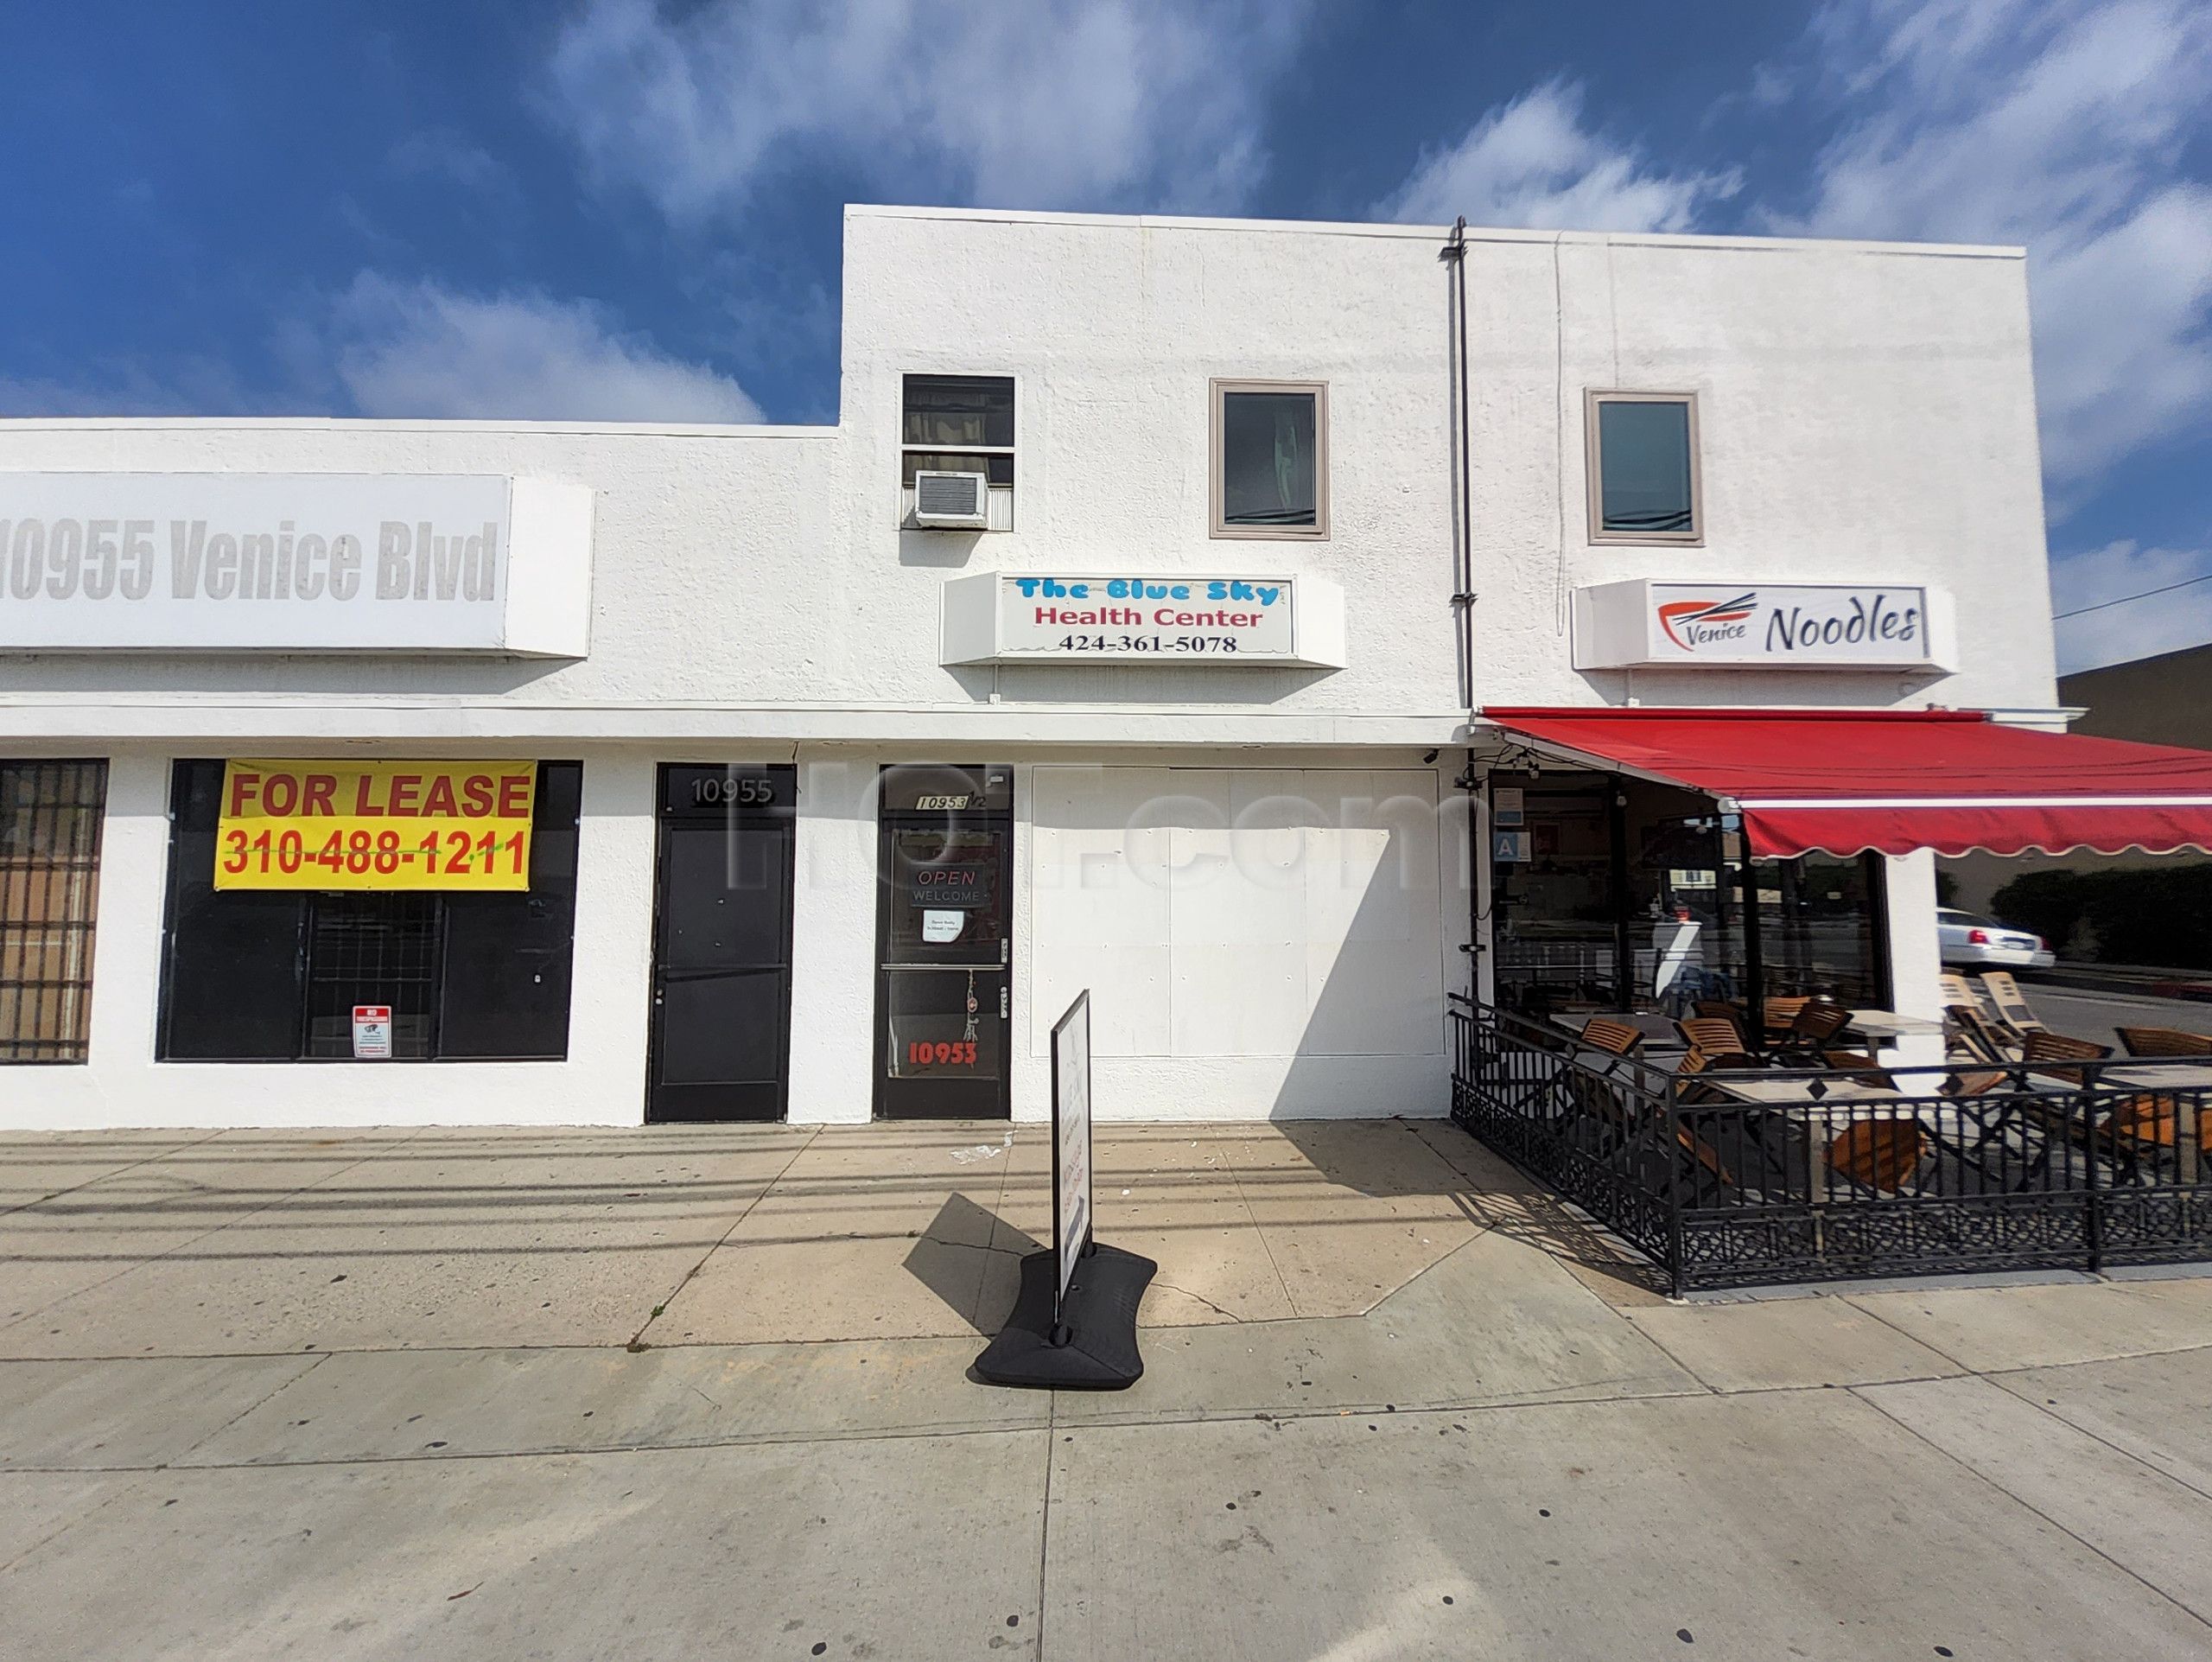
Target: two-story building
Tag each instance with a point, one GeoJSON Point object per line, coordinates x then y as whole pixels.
{"type": "Point", "coordinates": [1194, 611]}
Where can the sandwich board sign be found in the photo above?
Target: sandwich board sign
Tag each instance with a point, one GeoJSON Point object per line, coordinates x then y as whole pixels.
{"type": "Point", "coordinates": [1070, 1142]}
{"type": "Point", "coordinates": [1074, 1326]}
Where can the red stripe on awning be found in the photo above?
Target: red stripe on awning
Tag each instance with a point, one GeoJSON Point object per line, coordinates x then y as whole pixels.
{"type": "Point", "coordinates": [1842, 781]}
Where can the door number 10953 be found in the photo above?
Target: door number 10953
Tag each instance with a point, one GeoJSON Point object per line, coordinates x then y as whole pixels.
{"type": "Point", "coordinates": [941, 1052]}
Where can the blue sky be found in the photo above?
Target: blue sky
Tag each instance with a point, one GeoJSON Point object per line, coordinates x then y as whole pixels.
{"type": "Point", "coordinates": [630, 210]}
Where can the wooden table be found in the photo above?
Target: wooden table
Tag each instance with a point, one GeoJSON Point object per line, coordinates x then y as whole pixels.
{"type": "Point", "coordinates": [1888, 1024]}
{"type": "Point", "coordinates": [1793, 1093]}
{"type": "Point", "coordinates": [2172, 1076]}
{"type": "Point", "coordinates": [1792, 1098]}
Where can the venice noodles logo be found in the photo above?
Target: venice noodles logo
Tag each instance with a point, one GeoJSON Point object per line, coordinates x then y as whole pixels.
{"type": "Point", "coordinates": [1691, 624]}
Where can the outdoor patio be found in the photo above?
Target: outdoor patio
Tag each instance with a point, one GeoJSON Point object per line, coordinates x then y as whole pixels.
{"type": "Point", "coordinates": [1775, 1163]}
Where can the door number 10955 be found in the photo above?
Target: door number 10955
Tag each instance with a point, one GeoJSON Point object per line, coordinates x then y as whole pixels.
{"type": "Point", "coordinates": [746, 789]}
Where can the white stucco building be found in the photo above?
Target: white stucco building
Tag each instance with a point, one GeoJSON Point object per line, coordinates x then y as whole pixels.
{"type": "Point", "coordinates": [1255, 820]}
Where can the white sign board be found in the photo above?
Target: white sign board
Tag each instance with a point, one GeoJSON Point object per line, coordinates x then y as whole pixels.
{"type": "Point", "coordinates": [372, 1033]}
{"type": "Point", "coordinates": [1071, 1137]}
{"type": "Point", "coordinates": [214, 562]}
{"type": "Point", "coordinates": [1645, 624]}
{"type": "Point", "coordinates": [1180, 618]}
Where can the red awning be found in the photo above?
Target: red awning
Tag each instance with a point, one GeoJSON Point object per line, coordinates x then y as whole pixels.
{"type": "Point", "coordinates": [1840, 782]}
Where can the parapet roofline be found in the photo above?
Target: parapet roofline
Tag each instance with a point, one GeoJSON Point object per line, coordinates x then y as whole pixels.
{"type": "Point", "coordinates": [407, 425]}
{"type": "Point", "coordinates": [1438, 232]}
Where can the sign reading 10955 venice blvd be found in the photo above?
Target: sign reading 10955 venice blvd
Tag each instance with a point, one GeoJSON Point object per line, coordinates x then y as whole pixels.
{"type": "Point", "coordinates": [1180, 617]}
{"type": "Point", "coordinates": [203, 562]}
{"type": "Point", "coordinates": [1643, 624]}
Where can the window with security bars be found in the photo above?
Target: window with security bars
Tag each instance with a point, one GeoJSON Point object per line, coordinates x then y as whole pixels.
{"type": "Point", "coordinates": [50, 815]}
{"type": "Point", "coordinates": [274, 975]}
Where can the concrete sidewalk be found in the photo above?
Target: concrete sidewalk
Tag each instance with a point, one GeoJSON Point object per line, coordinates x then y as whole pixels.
{"type": "Point", "coordinates": [678, 1392]}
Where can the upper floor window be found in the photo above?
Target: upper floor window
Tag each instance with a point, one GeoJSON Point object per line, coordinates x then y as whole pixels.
{"type": "Point", "coordinates": [1644, 468]}
{"type": "Point", "coordinates": [963, 424]}
{"type": "Point", "coordinates": [1270, 459]}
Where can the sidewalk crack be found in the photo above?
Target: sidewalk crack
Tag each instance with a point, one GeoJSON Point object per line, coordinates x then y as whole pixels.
{"type": "Point", "coordinates": [637, 1338]}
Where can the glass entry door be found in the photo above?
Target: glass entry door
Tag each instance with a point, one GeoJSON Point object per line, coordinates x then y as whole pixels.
{"type": "Point", "coordinates": [945, 943]}
{"type": "Point", "coordinates": [1555, 885]}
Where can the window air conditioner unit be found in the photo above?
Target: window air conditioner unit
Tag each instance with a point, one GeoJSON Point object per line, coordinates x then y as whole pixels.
{"type": "Point", "coordinates": [951, 501]}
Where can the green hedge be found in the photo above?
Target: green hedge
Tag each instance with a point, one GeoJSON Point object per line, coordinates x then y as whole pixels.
{"type": "Point", "coordinates": [2156, 915]}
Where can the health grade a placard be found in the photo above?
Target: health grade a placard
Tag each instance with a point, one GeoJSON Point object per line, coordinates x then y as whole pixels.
{"type": "Point", "coordinates": [453, 825]}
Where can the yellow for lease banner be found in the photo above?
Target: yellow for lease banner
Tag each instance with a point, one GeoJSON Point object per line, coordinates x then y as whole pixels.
{"type": "Point", "coordinates": [375, 824]}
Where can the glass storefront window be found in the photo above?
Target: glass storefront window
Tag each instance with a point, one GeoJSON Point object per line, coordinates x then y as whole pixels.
{"type": "Point", "coordinates": [1817, 928]}
{"type": "Point", "coordinates": [1631, 896]}
{"type": "Point", "coordinates": [274, 975]}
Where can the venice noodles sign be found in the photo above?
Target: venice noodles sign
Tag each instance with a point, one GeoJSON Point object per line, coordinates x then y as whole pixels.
{"type": "Point", "coordinates": [1174, 617]}
{"type": "Point", "coordinates": [294, 562]}
{"type": "Point", "coordinates": [1645, 624]}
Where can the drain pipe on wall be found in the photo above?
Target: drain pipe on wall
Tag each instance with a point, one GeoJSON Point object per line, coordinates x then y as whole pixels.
{"type": "Point", "coordinates": [1462, 559]}
{"type": "Point", "coordinates": [1463, 597]}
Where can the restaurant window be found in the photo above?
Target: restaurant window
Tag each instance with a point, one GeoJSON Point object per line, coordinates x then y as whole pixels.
{"type": "Point", "coordinates": [275, 975]}
{"type": "Point", "coordinates": [959, 423]}
{"type": "Point", "coordinates": [1644, 468]}
{"type": "Point", "coordinates": [50, 820]}
{"type": "Point", "coordinates": [1630, 894]}
{"type": "Point", "coordinates": [1270, 459]}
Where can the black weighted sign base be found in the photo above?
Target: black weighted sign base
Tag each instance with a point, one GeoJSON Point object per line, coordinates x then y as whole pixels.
{"type": "Point", "coordinates": [1098, 1335]}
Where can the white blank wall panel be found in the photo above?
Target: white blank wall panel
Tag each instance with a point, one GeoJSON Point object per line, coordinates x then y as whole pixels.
{"type": "Point", "coordinates": [1099, 896]}
{"type": "Point", "coordinates": [1263, 918]}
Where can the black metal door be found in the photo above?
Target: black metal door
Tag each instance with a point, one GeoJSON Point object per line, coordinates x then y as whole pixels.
{"type": "Point", "coordinates": [944, 953]}
{"type": "Point", "coordinates": [721, 1043]}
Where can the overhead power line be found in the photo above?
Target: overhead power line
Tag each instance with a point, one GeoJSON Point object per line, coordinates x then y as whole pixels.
{"type": "Point", "coordinates": [2123, 600]}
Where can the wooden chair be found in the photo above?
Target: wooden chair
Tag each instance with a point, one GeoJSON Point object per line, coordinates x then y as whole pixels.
{"type": "Point", "coordinates": [1959, 994]}
{"type": "Point", "coordinates": [1881, 1155]}
{"type": "Point", "coordinates": [1733, 1008]}
{"type": "Point", "coordinates": [1817, 1021]}
{"type": "Point", "coordinates": [1593, 1092]}
{"type": "Point", "coordinates": [1779, 1013]}
{"type": "Point", "coordinates": [2011, 1008]}
{"type": "Point", "coordinates": [1699, 1061]}
{"type": "Point", "coordinates": [1861, 1066]}
{"type": "Point", "coordinates": [2050, 1053]}
{"type": "Point", "coordinates": [1978, 1041]}
{"type": "Point", "coordinates": [1713, 1034]}
{"type": "Point", "coordinates": [2142, 1130]}
{"type": "Point", "coordinates": [2164, 1042]}
{"type": "Point", "coordinates": [2151, 1121]}
{"type": "Point", "coordinates": [1614, 1038]}
{"type": "Point", "coordinates": [1983, 1039]}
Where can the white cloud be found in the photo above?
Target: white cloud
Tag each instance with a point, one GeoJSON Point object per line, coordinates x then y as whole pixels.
{"type": "Point", "coordinates": [176, 385]}
{"type": "Point", "coordinates": [2144, 628]}
{"type": "Point", "coordinates": [2061, 124]}
{"type": "Point", "coordinates": [1532, 163]}
{"type": "Point", "coordinates": [402, 349]}
{"type": "Point", "coordinates": [441, 152]}
{"type": "Point", "coordinates": [1063, 104]}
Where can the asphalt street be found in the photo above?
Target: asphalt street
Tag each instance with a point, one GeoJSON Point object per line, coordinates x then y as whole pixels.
{"type": "Point", "coordinates": [2094, 1015]}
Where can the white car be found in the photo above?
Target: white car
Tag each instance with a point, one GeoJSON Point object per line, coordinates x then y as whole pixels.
{"type": "Point", "coordinates": [1983, 942]}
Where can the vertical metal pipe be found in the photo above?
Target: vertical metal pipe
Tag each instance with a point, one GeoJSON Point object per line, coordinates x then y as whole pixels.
{"type": "Point", "coordinates": [1463, 563]}
{"type": "Point", "coordinates": [1670, 1157]}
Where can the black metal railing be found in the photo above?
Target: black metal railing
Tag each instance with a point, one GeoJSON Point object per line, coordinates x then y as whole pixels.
{"type": "Point", "coordinates": [1738, 1178]}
